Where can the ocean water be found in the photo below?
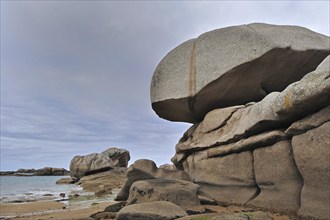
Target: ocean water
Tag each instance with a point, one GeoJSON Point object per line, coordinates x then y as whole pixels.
{"type": "Point", "coordinates": [32, 188]}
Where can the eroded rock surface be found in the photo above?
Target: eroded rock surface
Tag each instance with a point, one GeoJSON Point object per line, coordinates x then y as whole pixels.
{"type": "Point", "coordinates": [120, 157]}
{"type": "Point", "coordinates": [179, 192]}
{"type": "Point", "coordinates": [312, 152]}
{"type": "Point", "coordinates": [92, 163]}
{"type": "Point", "coordinates": [228, 180]}
{"type": "Point", "coordinates": [104, 182]}
{"type": "Point", "coordinates": [278, 178]}
{"type": "Point", "coordinates": [159, 210]}
{"type": "Point", "coordinates": [271, 153]}
{"type": "Point", "coordinates": [277, 110]}
{"type": "Point", "coordinates": [98, 162]}
{"type": "Point", "coordinates": [147, 169]}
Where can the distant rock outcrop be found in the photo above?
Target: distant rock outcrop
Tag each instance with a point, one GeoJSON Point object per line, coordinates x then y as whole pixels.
{"type": "Point", "coordinates": [259, 96]}
{"type": "Point", "coordinates": [98, 162]}
{"type": "Point", "coordinates": [46, 171]}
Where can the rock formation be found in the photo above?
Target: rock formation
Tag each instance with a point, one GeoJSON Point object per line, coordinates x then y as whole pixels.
{"type": "Point", "coordinates": [98, 162]}
{"type": "Point", "coordinates": [46, 171]}
{"type": "Point", "coordinates": [103, 183]}
{"type": "Point", "coordinates": [160, 210]}
{"type": "Point", "coordinates": [239, 64]}
{"type": "Point", "coordinates": [259, 98]}
{"type": "Point", "coordinates": [120, 157]}
{"type": "Point", "coordinates": [179, 192]}
{"type": "Point", "coordinates": [144, 170]}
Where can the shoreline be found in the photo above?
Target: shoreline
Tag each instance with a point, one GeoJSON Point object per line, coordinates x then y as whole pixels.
{"type": "Point", "coordinates": [50, 210]}
{"type": "Point", "coordinates": [43, 210]}
{"type": "Point", "coordinates": [76, 208]}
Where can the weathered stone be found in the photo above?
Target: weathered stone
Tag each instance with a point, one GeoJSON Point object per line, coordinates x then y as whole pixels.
{"type": "Point", "coordinates": [310, 122]}
{"type": "Point", "coordinates": [147, 169]}
{"type": "Point", "coordinates": [249, 215]}
{"type": "Point", "coordinates": [204, 200]}
{"type": "Point", "coordinates": [228, 179]}
{"type": "Point", "coordinates": [276, 110]}
{"type": "Point", "coordinates": [167, 166]}
{"type": "Point", "coordinates": [104, 182]}
{"type": "Point", "coordinates": [249, 143]}
{"type": "Point", "coordinates": [278, 178]}
{"type": "Point", "coordinates": [312, 153]}
{"type": "Point", "coordinates": [240, 64]}
{"type": "Point", "coordinates": [179, 192]}
{"type": "Point", "coordinates": [159, 210]}
{"type": "Point", "coordinates": [89, 164]}
{"type": "Point", "coordinates": [217, 118]}
{"type": "Point", "coordinates": [98, 162]}
{"type": "Point", "coordinates": [103, 215]}
{"type": "Point", "coordinates": [120, 157]}
{"type": "Point", "coordinates": [115, 207]}
{"type": "Point", "coordinates": [46, 171]}
{"type": "Point", "coordinates": [67, 180]}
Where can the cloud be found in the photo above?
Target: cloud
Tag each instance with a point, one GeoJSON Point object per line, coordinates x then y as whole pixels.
{"type": "Point", "coordinates": [75, 75]}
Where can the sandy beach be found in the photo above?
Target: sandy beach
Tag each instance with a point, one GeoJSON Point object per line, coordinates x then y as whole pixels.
{"type": "Point", "coordinates": [50, 210]}
{"type": "Point", "coordinates": [58, 210]}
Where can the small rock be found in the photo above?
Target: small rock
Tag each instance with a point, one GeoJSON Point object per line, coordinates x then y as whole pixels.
{"type": "Point", "coordinates": [102, 192]}
{"type": "Point", "coordinates": [48, 194]}
{"type": "Point", "coordinates": [66, 180]}
{"type": "Point", "coordinates": [204, 200]}
{"type": "Point", "coordinates": [74, 196]}
{"type": "Point", "coordinates": [103, 215]}
{"type": "Point", "coordinates": [115, 207]}
{"type": "Point", "coordinates": [195, 210]}
{"type": "Point", "coordinates": [159, 210]}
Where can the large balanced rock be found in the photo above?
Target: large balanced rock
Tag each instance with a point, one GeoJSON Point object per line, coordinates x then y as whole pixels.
{"type": "Point", "coordinates": [259, 98]}
{"type": "Point", "coordinates": [179, 192]}
{"type": "Point", "coordinates": [239, 64]}
{"type": "Point", "coordinates": [159, 210]}
{"type": "Point", "coordinates": [98, 162]}
{"type": "Point", "coordinates": [147, 169]}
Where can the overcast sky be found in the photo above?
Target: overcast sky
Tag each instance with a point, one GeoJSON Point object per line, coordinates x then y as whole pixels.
{"type": "Point", "coordinates": [75, 76]}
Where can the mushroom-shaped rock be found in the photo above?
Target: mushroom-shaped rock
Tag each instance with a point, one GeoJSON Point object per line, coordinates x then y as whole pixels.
{"type": "Point", "coordinates": [233, 66]}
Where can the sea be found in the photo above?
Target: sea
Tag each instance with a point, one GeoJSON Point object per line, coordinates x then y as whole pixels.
{"type": "Point", "coordinates": [33, 188]}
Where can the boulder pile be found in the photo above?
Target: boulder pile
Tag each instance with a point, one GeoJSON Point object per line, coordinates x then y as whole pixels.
{"type": "Point", "coordinates": [258, 96]}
